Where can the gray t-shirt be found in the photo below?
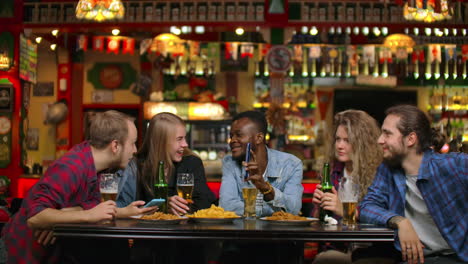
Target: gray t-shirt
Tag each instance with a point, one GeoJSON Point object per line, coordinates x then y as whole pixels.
{"type": "Point", "coordinates": [416, 211]}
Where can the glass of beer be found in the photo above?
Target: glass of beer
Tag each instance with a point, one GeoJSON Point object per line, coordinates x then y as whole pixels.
{"type": "Point", "coordinates": [185, 184]}
{"type": "Point", "coordinates": [349, 199]}
{"type": "Point", "coordinates": [249, 193]}
{"type": "Point", "coordinates": [108, 186]}
{"type": "Point", "coordinates": [349, 212]}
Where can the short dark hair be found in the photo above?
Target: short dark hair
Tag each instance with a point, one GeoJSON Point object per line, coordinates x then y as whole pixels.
{"type": "Point", "coordinates": [412, 119]}
{"type": "Point", "coordinates": [107, 126]}
{"type": "Point", "coordinates": [258, 118]}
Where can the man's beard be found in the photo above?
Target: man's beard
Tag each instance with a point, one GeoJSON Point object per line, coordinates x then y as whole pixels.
{"type": "Point", "coordinates": [395, 160]}
{"type": "Point", "coordinates": [239, 159]}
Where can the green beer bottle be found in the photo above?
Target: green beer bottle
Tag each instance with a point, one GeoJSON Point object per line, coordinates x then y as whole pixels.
{"type": "Point", "coordinates": [326, 187]}
{"type": "Point", "coordinates": [160, 187]}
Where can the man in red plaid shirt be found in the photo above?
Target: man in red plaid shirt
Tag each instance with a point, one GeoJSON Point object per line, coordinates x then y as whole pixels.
{"type": "Point", "coordinates": [69, 191]}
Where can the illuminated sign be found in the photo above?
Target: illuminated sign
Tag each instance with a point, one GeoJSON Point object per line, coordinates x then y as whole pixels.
{"type": "Point", "coordinates": [187, 111]}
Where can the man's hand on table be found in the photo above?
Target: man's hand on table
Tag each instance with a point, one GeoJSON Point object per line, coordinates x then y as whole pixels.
{"type": "Point", "coordinates": [104, 211]}
{"type": "Point", "coordinates": [411, 246]}
{"type": "Point", "coordinates": [45, 237]}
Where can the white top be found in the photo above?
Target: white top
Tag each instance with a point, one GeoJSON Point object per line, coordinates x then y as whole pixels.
{"type": "Point", "coordinates": [349, 191]}
{"type": "Point", "coordinates": [416, 211]}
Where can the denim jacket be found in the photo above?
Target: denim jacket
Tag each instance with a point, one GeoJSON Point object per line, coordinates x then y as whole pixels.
{"type": "Point", "coordinates": [283, 172]}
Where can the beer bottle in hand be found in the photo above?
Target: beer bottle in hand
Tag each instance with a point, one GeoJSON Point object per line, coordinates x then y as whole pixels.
{"type": "Point", "coordinates": [326, 187]}
{"type": "Point", "coordinates": [160, 187]}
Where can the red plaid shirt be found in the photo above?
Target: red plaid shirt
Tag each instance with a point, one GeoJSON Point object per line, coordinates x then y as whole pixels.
{"type": "Point", "coordinates": [70, 181]}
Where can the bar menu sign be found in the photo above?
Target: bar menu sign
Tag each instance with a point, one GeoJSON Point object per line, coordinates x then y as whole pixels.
{"type": "Point", "coordinates": [28, 60]}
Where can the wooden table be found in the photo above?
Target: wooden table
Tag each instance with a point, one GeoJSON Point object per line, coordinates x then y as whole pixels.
{"type": "Point", "coordinates": [252, 231]}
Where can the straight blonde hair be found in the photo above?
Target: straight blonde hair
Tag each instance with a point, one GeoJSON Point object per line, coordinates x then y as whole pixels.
{"type": "Point", "coordinates": [155, 148]}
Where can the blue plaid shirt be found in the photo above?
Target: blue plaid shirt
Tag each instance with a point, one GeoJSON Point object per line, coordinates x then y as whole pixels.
{"type": "Point", "coordinates": [443, 183]}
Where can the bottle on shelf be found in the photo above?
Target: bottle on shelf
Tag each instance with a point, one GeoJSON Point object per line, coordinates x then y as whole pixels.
{"type": "Point", "coordinates": [326, 187]}
{"type": "Point", "coordinates": [222, 135]}
{"type": "Point", "coordinates": [161, 187]}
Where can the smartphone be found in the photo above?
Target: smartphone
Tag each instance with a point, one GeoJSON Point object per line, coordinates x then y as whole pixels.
{"type": "Point", "coordinates": [247, 159]}
{"type": "Point", "coordinates": [154, 202]}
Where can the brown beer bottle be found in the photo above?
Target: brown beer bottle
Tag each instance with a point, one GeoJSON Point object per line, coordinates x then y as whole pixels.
{"type": "Point", "coordinates": [326, 187]}
{"type": "Point", "coordinates": [160, 187]}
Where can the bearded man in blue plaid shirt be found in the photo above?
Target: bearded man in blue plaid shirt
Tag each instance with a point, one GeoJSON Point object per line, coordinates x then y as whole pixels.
{"type": "Point", "coordinates": [419, 193]}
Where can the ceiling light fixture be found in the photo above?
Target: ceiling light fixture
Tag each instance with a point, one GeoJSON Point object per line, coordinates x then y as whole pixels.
{"type": "Point", "coordinates": [99, 10]}
{"type": "Point", "coordinates": [425, 11]}
{"type": "Point", "coordinates": [239, 31]}
{"type": "Point", "coordinates": [199, 29]}
{"type": "Point", "coordinates": [313, 31]}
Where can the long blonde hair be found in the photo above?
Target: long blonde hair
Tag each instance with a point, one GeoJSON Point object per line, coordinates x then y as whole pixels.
{"type": "Point", "coordinates": [363, 133]}
{"type": "Point", "coordinates": [155, 147]}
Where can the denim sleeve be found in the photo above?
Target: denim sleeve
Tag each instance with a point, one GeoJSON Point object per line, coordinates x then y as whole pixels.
{"type": "Point", "coordinates": [229, 197]}
{"type": "Point", "coordinates": [127, 185]}
{"type": "Point", "coordinates": [290, 198]}
{"type": "Point", "coordinates": [375, 205]}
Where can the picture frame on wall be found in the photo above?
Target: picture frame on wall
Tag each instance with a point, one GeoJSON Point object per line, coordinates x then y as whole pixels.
{"type": "Point", "coordinates": [6, 98]}
{"type": "Point", "coordinates": [32, 139]}
{"type": "Point", "coordinates": [44, 89]}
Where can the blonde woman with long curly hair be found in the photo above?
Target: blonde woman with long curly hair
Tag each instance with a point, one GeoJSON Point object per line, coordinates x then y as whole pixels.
{"type": "Point", "coordinates": [355, 156]}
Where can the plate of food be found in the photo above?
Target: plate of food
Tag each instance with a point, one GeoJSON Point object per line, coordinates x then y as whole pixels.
{"type": "Point", "coordinates": [213, 215]}
{"type": "Point", "coordinates": [288, 219]}
{"type": "Point", "coordinates": [160, 218]}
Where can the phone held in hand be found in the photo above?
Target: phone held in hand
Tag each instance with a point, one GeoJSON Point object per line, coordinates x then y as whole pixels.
{"type": "Point", "coordinates": [154, 202]}
{"type": "Point", "coordinates": [247, 159]}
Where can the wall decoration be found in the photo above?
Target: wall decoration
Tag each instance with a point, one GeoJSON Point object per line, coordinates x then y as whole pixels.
{"type": "Point", "coordinates": [32, 139]}
{"type": "Point", "coordinates": [7, 45]}
{"type": "Point", "coordinates": [5, 125]}
{"type": "Point", "coordinates": [112, 75]}
{"type": "Point", "coordinates": [6, 98]}
{"type": "Point", "coordinates": [44, 89]}
{"type": "Point", "coordinates": [102, 96]}
{"type": "Point", "coordinates": [5, 140]}
{"type": "Point", "coordinates": [26, 94]}
{"type": "Point", "coordinates": [28, 60]}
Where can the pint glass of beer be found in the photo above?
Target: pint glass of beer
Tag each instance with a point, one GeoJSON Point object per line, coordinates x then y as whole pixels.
{"type": "Point", "coordinates": [349, 212]}
{"type": "Point", "coordinates": [108, 186]}
{"type": "Point", "coordinates": [249, 193]}
{"type": "Point", "coordinates": [185, 184]}
{"type": "Point", "coordinates": [348, 194]}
